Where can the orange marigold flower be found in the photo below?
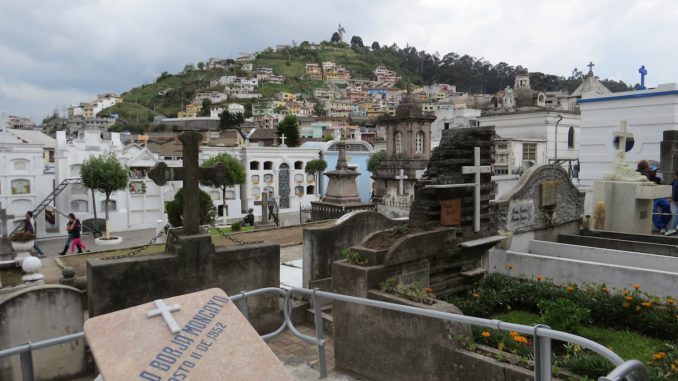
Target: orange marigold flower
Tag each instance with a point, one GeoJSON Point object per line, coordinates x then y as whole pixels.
{"type": "Point", "coordinates": [513, 334]}
{"type": "Point", "coordinates": [539, 278]}
{"type": "Point", "coordinates": [486, 334]}
{"type": "Point", "coordinates": [659, 356]}
{"type": "Point", "coordinates": [570, 289]}
{"type": "Point", "coordinates": [646, 304]}
{"type": "Point", "coordinates": [605, 290]}
{"type": "Point", "coordinates": [509, 267]}
{"type": "Point", "coordinates": [475, 295]}
{"type": "Point", "coordinates": [629, 298]}
{"type": "Point", "coordinates": [520, 339]}
{"type": "Point", "coordinates": [636, 286]}
{"type": "Point", "coordinates": [626, 292]}
{"type": "Point", "coordinates": [428, 289]}
{"type": "Point", "coordinates": [670, 301]}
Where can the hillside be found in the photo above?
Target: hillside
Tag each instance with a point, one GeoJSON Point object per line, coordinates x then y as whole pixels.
{"type": "Point", "coordinates": [171, 92]}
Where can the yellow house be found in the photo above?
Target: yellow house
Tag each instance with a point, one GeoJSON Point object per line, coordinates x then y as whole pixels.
{"type": "Point", "coordinates": [193, 107]}
{"type": "Point", "coordinates": [186, 114]}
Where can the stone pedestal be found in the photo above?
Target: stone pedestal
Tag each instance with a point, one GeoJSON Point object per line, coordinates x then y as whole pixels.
{"type": "Point", "coordinates": [628, 205]}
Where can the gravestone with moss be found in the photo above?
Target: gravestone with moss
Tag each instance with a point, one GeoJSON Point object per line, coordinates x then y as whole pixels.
{"type": "Point", "coordinates": [437, 253]}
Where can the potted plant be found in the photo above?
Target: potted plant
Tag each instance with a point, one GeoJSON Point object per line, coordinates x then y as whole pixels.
{"type": "Point", "coordinates": [22, 241]}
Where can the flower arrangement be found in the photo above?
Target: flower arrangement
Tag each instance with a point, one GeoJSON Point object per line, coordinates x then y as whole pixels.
{"type": "Point", "coordinates": [22, 237]}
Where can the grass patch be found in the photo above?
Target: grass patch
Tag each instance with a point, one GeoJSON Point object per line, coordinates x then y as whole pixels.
{"type": "Point", "coordinates": [227, 230]}
{"type": "Point", "coordinates": [11, 277]}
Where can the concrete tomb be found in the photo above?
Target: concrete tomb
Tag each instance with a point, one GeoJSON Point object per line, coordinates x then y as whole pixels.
{"type": "Point", "coordinates": [625, 196]}
{"type": "Point", "coordinates": [198, 336]}
{"type": "Point", "coordinates": [40, 313]}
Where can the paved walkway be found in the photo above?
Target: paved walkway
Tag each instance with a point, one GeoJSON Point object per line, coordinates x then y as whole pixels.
{"type": "Point", "coordinates": [52, 246]}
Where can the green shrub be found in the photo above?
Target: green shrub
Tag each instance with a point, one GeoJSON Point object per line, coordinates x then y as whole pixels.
{"type": "Point", "coordinates": [564, 315]}
{"type": "Point", "coordinates": [354, 257]}
{"type": "Point", "coordinates": [175, 209]}
{"type": "Point", "coordinates": [235, 227]}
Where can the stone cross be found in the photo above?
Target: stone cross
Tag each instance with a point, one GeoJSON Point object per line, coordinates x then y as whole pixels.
{"type": "Point", "coordinates": [622, 135]}
{"type": "Point", "coordinates": [643, 73]}
{"type": "Point", "coordinates": [591, 65]}
{"type": "Point", "coordinates": [282, 137]}
{"type": "Point", "coordinates": [4, 218]}
{"type": "Point", "coordinates": [264, 206]}
{"type": "Point", "coordinates": [191, 174]}
{"type": "Point", "coordinates": [476, 169]}
{"type": "Point", "coordinates": [400, 178]}
{"type": "Point", "coordinates": [166, 312]}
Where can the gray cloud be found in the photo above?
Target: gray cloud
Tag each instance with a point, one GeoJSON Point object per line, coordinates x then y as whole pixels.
{"type": "Point", "coordinates": [58, 53]}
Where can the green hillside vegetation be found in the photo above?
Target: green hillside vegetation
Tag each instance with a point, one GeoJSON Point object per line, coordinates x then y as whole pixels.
{"type": "Point", "coordinates": [171, 92]}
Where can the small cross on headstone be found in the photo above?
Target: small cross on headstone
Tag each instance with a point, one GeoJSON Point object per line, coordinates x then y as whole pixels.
{"type": "Point", "coordinates": [622, 135]}
{"type": "Point", "coordinates": [476, 169]}
{"type": "Point", "coordinates": [643, 73]}
{"type": "Point", "coordinates": [400, 178]}
{"type": "Point", "coordinates": [282, 137]}
{"type": "Point", "coordinates": [191, 174]}
{"type": "Point", "coordinates": [166, 312]}
{"type": "Point", "coordinates": [264, 206]}
{"type": "Point", "coordinates": [4, 218]}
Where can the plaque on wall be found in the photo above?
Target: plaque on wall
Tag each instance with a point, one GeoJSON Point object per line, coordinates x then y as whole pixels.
{"type": "Point", "coordinates": [450, 212]}
{"type": "Point", "coordinates": [549, 195]}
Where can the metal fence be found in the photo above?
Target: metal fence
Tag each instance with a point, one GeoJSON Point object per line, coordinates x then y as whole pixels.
{"type": "Point", "coordinates": [632, 370]}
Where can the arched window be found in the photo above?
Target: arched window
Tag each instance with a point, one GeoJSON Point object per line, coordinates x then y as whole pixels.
{"type": "Point", "coordinates": [20, 164]}
{"type": "Point", "coordinates": [419, 142]}
{"type": "Point", "coordinates": [570, 138]}
{"type": "Point", "coordinates": [268, 165]}
{"type": "Point", "coordinates": [298, 165]}
{"type": "Point", "coordinates": [254, 165]}
{"type": "Point", "coordinates": [310, 189]}
{"type": "Point", "coordinates": [398, 142]}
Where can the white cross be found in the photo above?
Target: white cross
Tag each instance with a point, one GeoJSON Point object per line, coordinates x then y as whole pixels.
{"type": "Point", "coordinates": [476, 169]}
{"type": "Point", "coordinates": [282, 137]}
{"type": "Point", "coordinates": [623, 135]}
{"type": "Point", "coordinates": [166, 312]}
{"type": "Point", "coordinates": [401, 177]}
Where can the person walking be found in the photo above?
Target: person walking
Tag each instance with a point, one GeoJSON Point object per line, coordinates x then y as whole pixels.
{"type": "Point", "coordinates": [69, 230]}
{"type": "Point", "coordinates": [75, 231]}
{"type": "Point", "coordinates": [674, 205]}
{"type": "Point", "coordinates": [271, 204]}
{"type": "Point", "coordinates": [29, 227]}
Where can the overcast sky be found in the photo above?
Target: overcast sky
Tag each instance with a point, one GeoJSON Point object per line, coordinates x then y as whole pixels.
{"type": "Point", "coordinates": [55, 53]}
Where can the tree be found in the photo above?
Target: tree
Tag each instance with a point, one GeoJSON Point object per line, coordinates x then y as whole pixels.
{"type": "Point", "coordinates": [105, 174]}
{"type": "Point", "coordinates": [248, 110]}
{"type": "Point", "coordinates": [375, 45]}
{"type": "Point", "coordinates": [189, 68]}
{"type": "Point", "coordinates": [375, 160]}
{"type": "Point", "coordinates": [318, 109]}
{"type": "Point", "coordinates": [336, 37]}
{"type": "Point", "coordinates": [357, 41]}
{"type": "Point", "coordinates": [201, 65]}
{"type": "Point", "coordinates": [290, 127]}
{"type": "Point", "coordinates": [206, 105]}
{"type": "Point", "coordinates": [235, 174]}
{"type": "Point", "coordinates": [315, 167]}
{"type": "Point", "coordinates": [230, 120]}
{"type": "Point", "coordinates": [175, 209]}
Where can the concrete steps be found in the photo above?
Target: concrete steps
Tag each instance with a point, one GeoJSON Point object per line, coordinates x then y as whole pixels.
{"type": "Point", "coordinates": [326, 313]}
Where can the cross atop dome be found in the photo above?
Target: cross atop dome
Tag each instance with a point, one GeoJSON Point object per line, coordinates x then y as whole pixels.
{"type": "Point", "coordinates": [590, 65]}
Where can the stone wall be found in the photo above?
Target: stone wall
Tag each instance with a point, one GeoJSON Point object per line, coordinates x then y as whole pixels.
{"type": "Point", "coordinates": [323, 245]}
{"type": "Point", "coordinates": [445, 167]}
{"type": "Point", "coordinates": [40, 313]}
{"type": "Point", "coordinates": [191, 265]}
{"type": "Point", "coordinates": [387, 345]}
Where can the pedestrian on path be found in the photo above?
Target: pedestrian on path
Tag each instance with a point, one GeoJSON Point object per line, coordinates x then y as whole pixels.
{"type": "Point", "coordinates": [29, 227]}
{"type": "Point", "coordinates": [70, 229]}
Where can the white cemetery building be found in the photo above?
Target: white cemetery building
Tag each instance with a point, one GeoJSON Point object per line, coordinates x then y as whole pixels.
{"type": "Point", "coordinates": [138, 207]}
{"type": "Point", "coordinates": [26, 177]}
{"type": "Point", "coordinates": [648, 114]}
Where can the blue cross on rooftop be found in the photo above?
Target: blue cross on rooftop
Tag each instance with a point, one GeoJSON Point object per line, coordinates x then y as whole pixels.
{"type": "Point", "coordinates": [643, 73]}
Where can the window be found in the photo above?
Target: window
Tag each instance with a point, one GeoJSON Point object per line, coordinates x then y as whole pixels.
{"type": "Point", "coordinates": [310, 189]}
{"type": "Point", "coordinates": [21, 186]}
{"type": "Point", "coordinates": [398, 142]}
{"type": "Point", "coordinates": [629, 143]}
{"type": "Point", "coordinates": [112, 205]}
{"type": "Point", "coordinates": [20, 165]}
{"type": "Point", "coordinates": [502, 158]}
{"type": "Point", "coordinates": [268, 165]}
{"type": "Point", "coordinates": [501, 171]}
{"type": "Point", "coordinates": [570, 138]}
{"type": "Point", "coordinates": [447, 125]}
{"type": "Point", "coordinates": [419, 142]}
{"type": "Point", "coordinates": [298, 165]}
{"type": "Point", "coordinates": [299, 190]}
{"type": "Point", "coordinates": [502, 146]}
{"type": "Point", "coordinates": [254, 165]}
{"type": "Point", "coordinates": [529, 151]}
{"type": "Point", "coordinates": [80, 206]}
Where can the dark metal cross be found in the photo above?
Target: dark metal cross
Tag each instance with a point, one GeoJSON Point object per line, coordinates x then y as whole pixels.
{"type": "Point", "coordinates": [264, 207]}
{"type": "Point", "coordinates": [4, 218]}
{"type": "Point", "coordinates": [643, 73]}
{"type": "Point", "coordinates": [591, 65]}
{"type": "Point", "coordinates": [191, 174]}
